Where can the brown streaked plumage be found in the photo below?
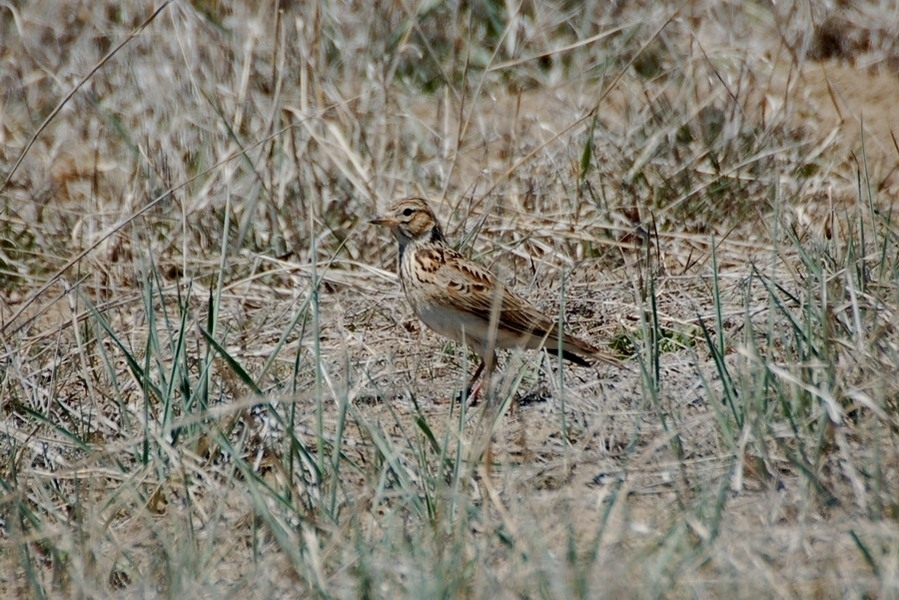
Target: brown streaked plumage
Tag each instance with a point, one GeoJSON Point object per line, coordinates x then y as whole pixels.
{"type": "Point", "coordinates": [465, 302]}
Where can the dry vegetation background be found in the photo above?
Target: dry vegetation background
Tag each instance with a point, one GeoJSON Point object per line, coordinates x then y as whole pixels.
{"type": "Point", "coordinates": [210, 385]}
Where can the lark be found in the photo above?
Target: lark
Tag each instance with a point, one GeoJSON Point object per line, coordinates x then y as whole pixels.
{"type": "Point", "coordinates": [465, 302]}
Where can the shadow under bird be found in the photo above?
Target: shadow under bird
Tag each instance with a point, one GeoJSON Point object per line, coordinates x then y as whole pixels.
{"type": "Point", "coordinates": [465, 302]}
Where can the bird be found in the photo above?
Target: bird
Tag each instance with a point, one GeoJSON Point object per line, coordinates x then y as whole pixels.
{"type": "Point", "coordinates": [465, 302]}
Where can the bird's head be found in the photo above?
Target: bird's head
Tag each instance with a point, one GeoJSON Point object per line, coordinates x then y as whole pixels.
{"type": "Point", "coordinates": [411, 220]}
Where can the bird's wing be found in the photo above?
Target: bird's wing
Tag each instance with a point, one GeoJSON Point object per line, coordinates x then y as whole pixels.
{"type": "Point", "coordinates": [474, 289]}
{"type": "Point", "coordinates": [477, 291]}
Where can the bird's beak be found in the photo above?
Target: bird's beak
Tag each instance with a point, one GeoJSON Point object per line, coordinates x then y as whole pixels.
{"type": "Point", "coordinates": [385, 220]}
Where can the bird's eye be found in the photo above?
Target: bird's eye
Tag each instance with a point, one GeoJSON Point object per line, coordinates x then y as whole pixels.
{"type": "Point", "coordinates": [408, 212]}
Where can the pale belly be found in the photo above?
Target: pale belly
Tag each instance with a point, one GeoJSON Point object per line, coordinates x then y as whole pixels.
{"type": "Point", "coordinates": [471, 330]}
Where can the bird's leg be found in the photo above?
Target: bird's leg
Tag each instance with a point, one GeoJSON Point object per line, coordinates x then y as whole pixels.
{"type": "Point", "coordinates": [477, 374]}
{"type": "Point", "coordinates": [470, 393]}
{"type": "Point", "coordinates": [488, 363]}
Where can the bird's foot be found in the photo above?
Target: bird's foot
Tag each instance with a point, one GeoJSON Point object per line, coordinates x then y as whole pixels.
{"type": "Point", "coordinates": [470, 396]}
